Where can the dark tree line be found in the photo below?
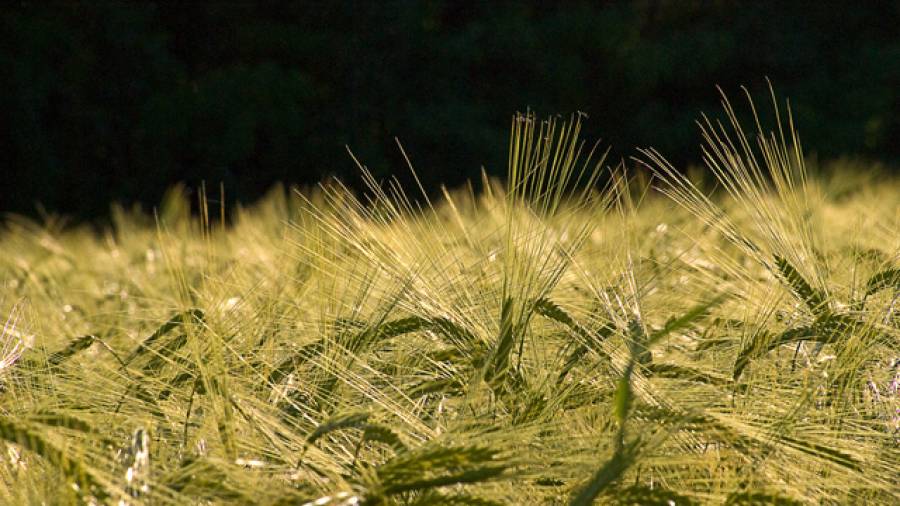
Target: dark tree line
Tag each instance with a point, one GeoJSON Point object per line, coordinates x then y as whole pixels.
{"type": "Point", "coordinates": [105, 101]}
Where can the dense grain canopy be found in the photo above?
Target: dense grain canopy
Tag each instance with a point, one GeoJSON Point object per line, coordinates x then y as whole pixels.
{"type": "Point", "coordinates": [544, 341]}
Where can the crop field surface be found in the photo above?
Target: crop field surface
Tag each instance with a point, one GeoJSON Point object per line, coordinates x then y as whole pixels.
{"type": "Point", "coordinates": [577, 334]}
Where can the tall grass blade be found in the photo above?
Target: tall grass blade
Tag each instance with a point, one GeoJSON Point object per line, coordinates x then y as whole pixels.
{"type": "Point", "coordinates": [505, 341]}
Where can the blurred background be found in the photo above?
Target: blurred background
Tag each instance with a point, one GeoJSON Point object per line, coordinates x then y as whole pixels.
{"type": "Point", "coordinates": [117, 101]}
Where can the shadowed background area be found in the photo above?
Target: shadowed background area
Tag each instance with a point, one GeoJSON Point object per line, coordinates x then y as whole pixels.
{"type": "Point", "coordinates": [107, 102]}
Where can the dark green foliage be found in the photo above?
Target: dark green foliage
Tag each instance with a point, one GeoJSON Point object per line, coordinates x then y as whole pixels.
{"type": "Point", "coordinates": [530, 407]}
{"type": "Point", "coordinates": [447, 386]}
{"type": "Point", "coordinates": [690, 316]}
{"type": "Point", "coordinates": [438, 499]}
{"type": "Point", "coordinates": [352, 420]}
{"type": "Point", "coordinates": [761, 343]}
{"type": "Point", "coordinates": [192, 316]}
{"type": "Point", "coordinates": [822, 452]}
{"type": "Point", "coordinates": [759, 499]}
{"type": "Point", "coordinates": [364, 339]}
{"type": "Point", "coordinates": [888, 278]}
{"type": "Point", "coordinates": [814, 299]}
{"type": "Point", "coordinates": [549, 309]}
{"type": "Point", "coordinates": [506, 339]}
{"type": "Point", "coordinates": [75, 346]}
{"type": "Point", "coordinates": [432, 467]}
{"type": "Point", "coordinates": [639, 495]}
{"type": "Point", "coordinates": [607, 475]}
{"type": "Point", "coordinates": [293, 361]}
{"type": "Point", "coordinates": [402, 326]}
{"type": "Point", "coordinates": [65, 420]}
{"type": "Point", "coordinates": [625, 453]}
{"type": "Point", "coordinates": [827, 329]}
{"type": "Point", "coordinates": [571, 361]}
{"type": "Point", "coordinates": [203, 478]}
{"type": "Point", "coordinates": [637, 347]}
{"type": "Point", "coordinates": [382, 434]}
{"type": "Point", "coordinates": [118, 100]}
{"type": "Point", "coordinates": [72, 468]}
{"type": "Point", "coordinates": [674, 371]}
{"type": "Point", "coordinates": [589, 341]}
{"type": "Point", "coordinates": [455, 334]}
{"type": "Point", "coordinates": [165, 352]}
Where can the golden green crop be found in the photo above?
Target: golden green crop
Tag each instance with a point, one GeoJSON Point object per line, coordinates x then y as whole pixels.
{"type": "Point", "coordinates": [578, 334]}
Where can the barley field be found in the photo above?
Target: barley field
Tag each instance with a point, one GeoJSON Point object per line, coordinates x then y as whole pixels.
{"type": "Point", "coordinates": [579, 333]}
